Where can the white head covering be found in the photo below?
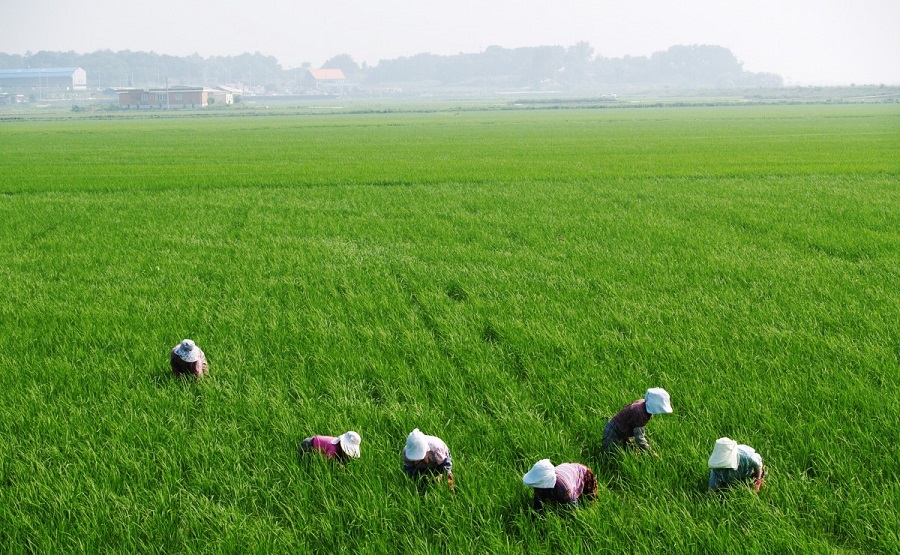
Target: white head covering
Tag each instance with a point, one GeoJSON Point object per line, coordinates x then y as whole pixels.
{"type": "Point", "coordinates": [657, 400]}
{"type": "Point", "coordinates": [541, 475]}
{"type": "Point", "coordinates": [349, 444]}
{"type": "Point", "coordinates": [416, 446]}
{"type": "Point", "coordinates": [187, 351]}
{"type": "Point", "coordinates": [725, 454]}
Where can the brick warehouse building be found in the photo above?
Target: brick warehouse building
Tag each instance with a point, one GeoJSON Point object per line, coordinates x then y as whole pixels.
{"type": "Point", "coordinates": [40, 80]}
{"type": "Point", "coordinates": [173, 97]}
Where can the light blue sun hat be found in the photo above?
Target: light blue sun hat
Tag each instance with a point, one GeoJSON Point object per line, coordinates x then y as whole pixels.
{"type": "Point", "coordinates": [188, 351]}
{"type": "Point", "coordinates": [657, 400]}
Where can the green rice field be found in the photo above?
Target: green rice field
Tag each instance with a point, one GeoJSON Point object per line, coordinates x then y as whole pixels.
{"type": "Point", "coordinates": [506, 279]}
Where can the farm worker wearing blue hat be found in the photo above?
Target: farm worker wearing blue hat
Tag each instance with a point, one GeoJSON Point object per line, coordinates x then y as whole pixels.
{"type": "Point", "coordinates": [565, 483]}
{"type": "Point", "coordinates": [424, 454]}
{"type": "Point", "coordinates": [339, 448]}
{"type": "Point", "coordinates": [731, 463]}
{"type": "Point", "coordinates": [627, 425]}
{"type": "Point", "coordinates": [186, 358]}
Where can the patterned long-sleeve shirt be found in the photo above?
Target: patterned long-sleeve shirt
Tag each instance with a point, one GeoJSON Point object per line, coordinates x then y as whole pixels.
{"type": "Point", "coordinates": [570, 480]}
{"type": "Point", "coordinates": [749, 467]}
{"type": "Point", "coordinates": [197, 368]}
{"type": "Point", "coordinates": [437, 459]}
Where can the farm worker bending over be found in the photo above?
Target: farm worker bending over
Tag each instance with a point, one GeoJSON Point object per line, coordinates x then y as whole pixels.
{"type": "Point", "coordinates": [628, 424]}
{"type": "Point", "coordinates": [187, 358]}
{"type": "Point", "coordinates": [340, 448]}
{"type": "Point", "coordinates": [565, 483]}
{"type": "Point", "coordinates": [731, 463]}
{"type": "Point", "coordinates": [427, 455]}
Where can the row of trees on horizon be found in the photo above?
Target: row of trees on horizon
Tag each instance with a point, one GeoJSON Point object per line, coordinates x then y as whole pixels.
{"type": "Point", "coordinates": [574, 67]}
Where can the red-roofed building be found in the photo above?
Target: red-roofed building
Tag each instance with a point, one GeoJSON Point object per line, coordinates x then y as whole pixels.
{"type": "Point", "coordinates": [324, 78]}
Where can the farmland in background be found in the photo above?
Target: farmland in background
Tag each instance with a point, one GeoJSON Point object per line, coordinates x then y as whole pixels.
{"type": "Point", "coordinates": [506, 280]}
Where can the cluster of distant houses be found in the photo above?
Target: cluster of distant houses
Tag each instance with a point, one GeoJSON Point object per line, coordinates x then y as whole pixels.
{"type": "Point", "coordinates": [17, 84]}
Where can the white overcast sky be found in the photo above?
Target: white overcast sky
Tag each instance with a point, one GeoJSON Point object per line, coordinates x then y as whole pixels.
{"type": "Point", "coordinates": [822, 42]}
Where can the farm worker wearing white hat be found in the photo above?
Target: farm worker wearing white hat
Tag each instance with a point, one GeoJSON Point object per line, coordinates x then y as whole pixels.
{"type": "Point", "coordinates": [565, 483]}
{"type": "Point", "coordinates": [424, 454]}
{"type": "Point", "coordinates": [731, 463]}
{"type": "Point", "coordinates": [627, 425]}
{"type": "Point", "coordinates": [187, 358]}
{"type": "Point", "coordinates": [340, 448]}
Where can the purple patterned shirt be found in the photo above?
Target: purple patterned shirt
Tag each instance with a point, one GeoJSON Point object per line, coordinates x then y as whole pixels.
{"type": "Point", "coordinates": [569, 485]}
{"type": "Point", "coordinates": [437, 459]}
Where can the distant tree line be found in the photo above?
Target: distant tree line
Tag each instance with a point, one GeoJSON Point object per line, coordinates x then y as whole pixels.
{"type": "Point", "coordinates": [575, 67]}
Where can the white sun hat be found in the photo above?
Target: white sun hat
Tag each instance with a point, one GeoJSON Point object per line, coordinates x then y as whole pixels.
{"type": "Point", "coordinates": [349, 444]}
{"type": "Point", "coordinates": [541, 475]}
{"type": "Point", "coordinates": [187, 351]}
{"type": "Point", "coordinates": [657, 400]}
{"type": "Point", "coordinates": [725, 454]}
{"type": "Point", "coordinates": [416, 446]}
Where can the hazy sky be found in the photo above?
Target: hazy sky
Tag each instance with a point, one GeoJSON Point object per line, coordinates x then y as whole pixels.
{"type": "Point", "coordinates": [806, 42]}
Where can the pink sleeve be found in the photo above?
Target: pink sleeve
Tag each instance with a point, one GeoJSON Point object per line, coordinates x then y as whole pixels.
{"type": "Point", "coordinates": [324, 445]}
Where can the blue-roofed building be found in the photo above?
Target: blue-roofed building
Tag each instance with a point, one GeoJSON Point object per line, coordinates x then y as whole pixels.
{"type": "Point", "coordinates": [43, 79]}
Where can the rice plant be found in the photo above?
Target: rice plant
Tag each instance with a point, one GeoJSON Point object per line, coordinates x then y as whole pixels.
{"type": "Point", "coordinates": [503, 279]}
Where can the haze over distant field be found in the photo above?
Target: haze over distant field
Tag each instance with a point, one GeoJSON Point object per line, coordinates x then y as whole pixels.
{"type": "Point", "coordinates": [828, 42]}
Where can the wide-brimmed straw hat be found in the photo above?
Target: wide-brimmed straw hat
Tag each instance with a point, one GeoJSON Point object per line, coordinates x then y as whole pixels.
{"type": "Point", "coordinates": [657, 400]}
{"type": "Point", "coordinates": [541, 475]}
{"type": "Point", "coordinates": [187, 351]}
{"type": "Point", "coordinates": [349, 444]}
{"type": "Point", "coordinates": [416, 446]}
{"type": "Point", "coordinates": [725, 454]}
